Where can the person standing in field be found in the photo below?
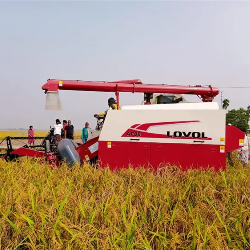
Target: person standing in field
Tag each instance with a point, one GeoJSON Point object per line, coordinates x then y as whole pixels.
{"type": "Point", "coordinates": [85, 132]}
{"type": "Point", "coordinates": [243, 153]}
{"type": "Point", "coordinates": [69, 129]}
{"type": "Point", "coordinates": [57, 131]}
{"type": "Point", "coordinates": [31, 139]}
{"type": "Point", "coordinates": [63, 135]}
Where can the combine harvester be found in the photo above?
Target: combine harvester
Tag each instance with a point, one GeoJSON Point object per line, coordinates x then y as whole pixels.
{"type": "Point", "coordinates": [166, 130]}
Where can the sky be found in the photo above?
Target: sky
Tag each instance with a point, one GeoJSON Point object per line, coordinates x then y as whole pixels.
{"type": "Point", "coordinates": [165, 42]}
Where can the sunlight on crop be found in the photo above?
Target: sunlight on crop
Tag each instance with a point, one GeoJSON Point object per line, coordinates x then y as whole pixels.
{"type": "Point", "coordinates": [88, 208]}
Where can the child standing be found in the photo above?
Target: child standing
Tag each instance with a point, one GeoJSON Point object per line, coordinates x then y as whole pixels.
{"type": "Point", "coordinates": [31, 139]}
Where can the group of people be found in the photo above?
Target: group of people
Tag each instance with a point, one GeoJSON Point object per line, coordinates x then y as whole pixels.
{"type": "Point", "coordinates": [62, 131]}
{"type": "Point", "coordinates": [65, 130]}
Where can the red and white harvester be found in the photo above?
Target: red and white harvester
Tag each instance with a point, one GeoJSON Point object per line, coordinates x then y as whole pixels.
{"type": "Point", "coordinates": [165, 130]}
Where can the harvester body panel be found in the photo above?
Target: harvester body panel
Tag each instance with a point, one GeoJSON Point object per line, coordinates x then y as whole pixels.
{"type": "Point", "coordinates": [168, 131]}
{"type": "Point", "coordinates": [88, 150]}
{"type": "Point", "coordinates": [190, 137]}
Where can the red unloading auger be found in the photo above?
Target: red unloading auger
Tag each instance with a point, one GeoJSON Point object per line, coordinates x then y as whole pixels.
{"type": "Point", "coordinates": [207, 93]}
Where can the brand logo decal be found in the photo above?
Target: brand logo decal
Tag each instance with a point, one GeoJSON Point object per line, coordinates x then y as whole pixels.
{"type": "Point", "coordinates": [179, 134]}
{"type": "Point", "coordinates": [140, 130]}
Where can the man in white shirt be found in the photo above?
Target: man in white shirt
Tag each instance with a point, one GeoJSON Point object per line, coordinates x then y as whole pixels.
{"type": "Point", "coordinates": [57, 131]}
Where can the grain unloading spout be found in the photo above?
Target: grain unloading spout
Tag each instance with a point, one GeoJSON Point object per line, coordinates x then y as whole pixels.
{"type": "Point", "coordinates": [53, 101]}
{"type": "Point", "coordinates": [206, 93]}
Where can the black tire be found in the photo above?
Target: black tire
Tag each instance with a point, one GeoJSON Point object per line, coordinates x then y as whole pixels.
{"type": "Point", "coordinates": [93, 161]}
{"type": "Point", "coordinates": [10, 158]}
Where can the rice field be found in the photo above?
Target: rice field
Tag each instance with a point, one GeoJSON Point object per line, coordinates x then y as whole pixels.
{"type": "Point", "coordinates": [88, 208]}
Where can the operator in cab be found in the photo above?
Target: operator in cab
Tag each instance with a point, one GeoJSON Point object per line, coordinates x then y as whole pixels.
{"type": "Point", "coordinates": [112, 106]}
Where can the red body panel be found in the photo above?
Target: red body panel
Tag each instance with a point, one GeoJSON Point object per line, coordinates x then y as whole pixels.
{"type": "Point", "coordinates": [84, 151]}
{"type": "Point", "coordinates": [188, 156]}
{"type": "Point", "coordinates": [132, 86]}
{"type": "Point", "coordinates": [121, 154]}
{"type": "Point", "coordinates": [233, 135]}
{"type": "Point", "coordinates": [28, 152]}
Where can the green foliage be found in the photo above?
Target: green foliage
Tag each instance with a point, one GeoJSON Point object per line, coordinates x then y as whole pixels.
{"type": "Point", "coordinates": [225, 103]}
{"type": "Point", "coordinates": [239, 118]}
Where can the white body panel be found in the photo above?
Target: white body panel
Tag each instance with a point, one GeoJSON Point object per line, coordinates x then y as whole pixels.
{"type": "Point", "coordinates": [212, 123]}
{"type": "Point", "coordinates": [177, 106]}
{"type": "Point", "coordinates": [94, 133]}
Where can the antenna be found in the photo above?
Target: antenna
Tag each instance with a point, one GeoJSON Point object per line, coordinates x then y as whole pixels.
{"type": "Point", "coordinates": [221, 99]}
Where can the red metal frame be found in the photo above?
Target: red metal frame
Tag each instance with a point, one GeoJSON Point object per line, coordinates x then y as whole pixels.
{"type": "Point", "coordinates": [233, 138]}
{"type": "Point", "coordinates": [50, 157]}
{"type": "Point", "coordinates": [28, 152]}
{"type": "Point", "coordinates": [135, 86]}
{"type": "Point", "coordinates": [84, 150]}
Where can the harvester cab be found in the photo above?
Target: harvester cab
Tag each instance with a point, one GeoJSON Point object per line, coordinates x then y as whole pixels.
{"type": "Point", "coordinates": [167, 99]}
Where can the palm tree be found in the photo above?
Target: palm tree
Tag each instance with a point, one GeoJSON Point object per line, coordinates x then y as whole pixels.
{"type": "Point", "coordinates": [225, 104]}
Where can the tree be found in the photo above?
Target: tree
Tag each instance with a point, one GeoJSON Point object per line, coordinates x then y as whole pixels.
{"type": "Point", "coordinates": [239, 118]}
{"type": "Point", "coordinates": [225, 104]}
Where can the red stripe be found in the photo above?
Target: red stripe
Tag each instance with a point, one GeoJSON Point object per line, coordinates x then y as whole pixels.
{"type": "Point", "coordinates": [146, 126]}
{"type": "Point", "coordinates": [134, 126]}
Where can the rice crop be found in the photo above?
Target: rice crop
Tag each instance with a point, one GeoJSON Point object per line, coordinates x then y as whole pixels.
{"type": "Point", "coordinates": [24, 133]}
{"type": "Point", "coordinates": [89, 208]}
{"type": "Point", "coordinates": [20, 133]}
